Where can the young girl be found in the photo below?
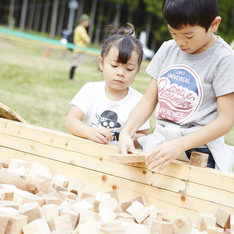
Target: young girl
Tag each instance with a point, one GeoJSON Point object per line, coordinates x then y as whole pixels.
{"type": "Point", "coordinates": [105, 106]}
{"type": "Point", "coordinates": [192, 86]}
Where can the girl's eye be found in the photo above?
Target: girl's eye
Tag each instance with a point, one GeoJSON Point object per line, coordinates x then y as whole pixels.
{"type": "Point", "coordinates": [189, 37]}
{"type": "Point", "coordinates": [113, 65]}
{"type": "Point", "coordinates": [129, 69]}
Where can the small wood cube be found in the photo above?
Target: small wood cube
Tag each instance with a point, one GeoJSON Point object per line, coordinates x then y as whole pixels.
{"type": "Point", "coordinates": [199, 159]}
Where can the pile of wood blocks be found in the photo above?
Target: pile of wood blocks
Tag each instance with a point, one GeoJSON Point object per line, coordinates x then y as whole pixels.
{"type": "Point", "coordinates": [35, 201]}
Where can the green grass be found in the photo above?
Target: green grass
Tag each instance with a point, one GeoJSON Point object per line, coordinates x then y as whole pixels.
{"type": "Point", "coordinates": [37, 87]}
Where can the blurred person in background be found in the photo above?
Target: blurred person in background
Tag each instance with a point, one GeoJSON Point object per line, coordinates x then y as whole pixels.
{"type": "Point", "coordinates": [81, 39]}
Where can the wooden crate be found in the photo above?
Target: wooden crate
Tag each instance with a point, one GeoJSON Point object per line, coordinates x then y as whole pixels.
{"type": "Point", "coordinates": [179, 188]}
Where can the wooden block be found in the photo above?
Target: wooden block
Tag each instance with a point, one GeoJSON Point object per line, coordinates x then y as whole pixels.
{"type": "Point", "coordinates": [9, 204]}
{"type": "Point", "coordinates": [21, 196]}
{"type": "Point", "coordinates": [110, 203]}
{"type": "Point", "coordinates": [214, 230]}
{"type": "Point", "coordinates": [127, 158]}
{"type": "Point", "coordinates": [49, 211]}
{"type": "Point", "coordinates": [6, 195]}
{"type": "Point", "coordinates": [88, 216]}
{"type": "Point", "coordinates": [74, 216]}
{"type": "Point", "coordinates": [141, 199]}
{"type": "Point", "coordinates": [3, 223]}
{"type": "Point", "coordinates": [32, 210]}
{"type": "Point", "coordinates": [67, 194]}
{"type": "Point", "coordinates": [52, 200]}
{"type": "Point", "coordinates": [112, 227]}
{"type": "Point", "coordinates": [125, 217]}
{"type": "Point", "coordinates": [205, 220]}
{"type": "Point", "coordinates": [16, 223]}
{"type": "Point", "coordinates": [161, 227]}
{"type": "Point", "coordinates": [89, 227]}
{"type": "Point", "coordinates": [223, 217]}
{"type": "Point", "coordinates": [15, 163]}
{"type": "Point", "coordinates": [62, 223]}
{"type": "Point", "coordinates": [40, 171]}
{"type": "Point", "coordinates": [23, 182]}
{"type": "Point", "coordinates": [107, 215]}
{"type": "Point", "coordinates": [138, 211]}
{"type": "Point", "coordinates": [60, 180]}
{"type": "Point", "coordinates": [76, 185]}
{"type": "Point", "coordinates": [125, 205]}
{"type": "Point", "coordinates": [7, 113]}
{"type": "Point", "coordinates": [181, 224]}
{"type": "Point", "coordinates": [136, 229]}
{"type": "Point", "coordinates": [82, 205]}
{"type": "Point", "coordinates": [232, 223]}
{"type": "Point", "coordinates": [38, 226]}
{"type": "Point", "coordinates": [45, 187]}
{"type": "Point", "coordinates": [198, 159]}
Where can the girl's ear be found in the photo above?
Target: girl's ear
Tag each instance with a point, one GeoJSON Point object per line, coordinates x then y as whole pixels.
{"type": "Point", "coordinates": [100, 63]}
{"type": "Point", "coordinates": [215, 24]}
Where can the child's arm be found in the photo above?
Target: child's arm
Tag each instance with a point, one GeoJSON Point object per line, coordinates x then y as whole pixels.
{"type": "Point", "coordinates": [138, 134]}
{"type": "Point", "coordinates": [76, 127]}
{"type": "Point", "coordinates": [168, 151]}
{"type": "Point", "coordinates": [140, 114]}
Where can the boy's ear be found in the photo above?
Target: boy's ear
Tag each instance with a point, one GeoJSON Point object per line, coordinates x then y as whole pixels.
{"type": "Point", "coordinates": [100, 63]}
{"type": "Point", "coordinates": [215, 24]}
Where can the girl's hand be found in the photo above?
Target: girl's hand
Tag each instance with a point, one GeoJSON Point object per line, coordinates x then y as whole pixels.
{"type": "Point", "coordinates": [164, 154]}
{"type": "Point", "coordinates": [100, 135]}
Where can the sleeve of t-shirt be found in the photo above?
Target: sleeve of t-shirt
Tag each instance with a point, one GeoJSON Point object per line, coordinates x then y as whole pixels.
{"type": "Point", "coordinates": [154, 67]}
{"type": "Point", "coordinates": [83, 97]}
{"type": "Point", "coordinates": [224, 80]}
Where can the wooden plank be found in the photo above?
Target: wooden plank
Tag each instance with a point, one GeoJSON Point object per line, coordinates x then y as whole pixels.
{"type": "Point", "coordinates": [127, 158]}
{"type": "Point", "coordinates": [174, 189]}
{"type": "Point", "coordinates": [141, 174]}
{"type": "Point", "coordinates": [8, 113]}
{"type": "Point", "coordinates": [170, 202]}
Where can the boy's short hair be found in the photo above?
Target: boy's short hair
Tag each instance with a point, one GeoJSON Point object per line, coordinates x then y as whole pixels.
{"type": "Point", "coordinates": [179, 13]}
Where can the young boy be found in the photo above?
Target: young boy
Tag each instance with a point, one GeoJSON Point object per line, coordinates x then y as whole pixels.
{"type": "Point", "coordinates": [192, 86]}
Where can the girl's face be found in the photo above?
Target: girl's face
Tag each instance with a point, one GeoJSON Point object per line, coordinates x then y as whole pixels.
{"type": "Point", "coordinates": [195, 39]}
{"type": "Point", "coordinates": [118, 76]}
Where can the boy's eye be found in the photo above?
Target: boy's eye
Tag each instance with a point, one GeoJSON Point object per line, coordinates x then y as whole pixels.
{"type": "Point", "coordinates": [113, 65]}
{"type": "Point", "coordinates": [190, 37]}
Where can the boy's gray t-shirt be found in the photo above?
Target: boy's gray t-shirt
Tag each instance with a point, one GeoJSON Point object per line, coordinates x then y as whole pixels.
{"type": "Point", "coordinates": [189, 84]}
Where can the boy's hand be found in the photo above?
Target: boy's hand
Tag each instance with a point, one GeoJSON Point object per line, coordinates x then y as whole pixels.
{"type": "Point", "coordinates": [126, 144]}
{"type": "Point", "coordinates": [101, 135]}
{"type": "Point", "coordinates": [164, 154]}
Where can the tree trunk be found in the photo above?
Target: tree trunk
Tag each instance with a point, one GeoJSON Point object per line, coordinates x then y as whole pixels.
{"type": "Point", "coordinates": [31, 14]}
{"type": "Point", "coordinates": [61, 19]}
{"type": "Point", "coordinates": [23, 15]}
{"type": "Point", "coordinates": [54, 18]}
{"type": "Point", "coordinates": [117, 15]}
{"type": "Point", "coordinates": [11, 14]}
{"type": "Point", "coordinates": [80, 10]}
{"type": "Point", "coordinates": [37, 17]}
{"type": "Point", "coordinates": [148, 27]}
{"type": "Point", "coordinates": [93, 14]}
{"type": "Point", "coordinates": [45, 17]}
{"type": "Point", "coordinates": [99, 23]}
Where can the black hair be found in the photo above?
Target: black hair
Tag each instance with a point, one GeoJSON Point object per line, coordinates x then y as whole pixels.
{"type": "Point", "coordinates": [122, 38]}
{"type": "Point", "coordinates": [179, 13]}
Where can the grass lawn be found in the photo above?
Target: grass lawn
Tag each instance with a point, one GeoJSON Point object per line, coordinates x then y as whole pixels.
{"type": "Point", "coordinates": [37, 87]}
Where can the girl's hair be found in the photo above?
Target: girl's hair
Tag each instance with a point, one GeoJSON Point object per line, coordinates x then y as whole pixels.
{"type": "Point", "coordinates": [122, 39]}
{"type": "Point", "coordinates": [179, 13]}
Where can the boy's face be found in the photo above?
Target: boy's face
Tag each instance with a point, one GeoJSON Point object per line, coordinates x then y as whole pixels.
{"type": "Point", "coordinates": [193, 39]}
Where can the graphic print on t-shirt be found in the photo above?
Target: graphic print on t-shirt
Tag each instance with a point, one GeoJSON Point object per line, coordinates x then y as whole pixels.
{"type": "Point", "coordinates": [108, 119]}
{"type": "Point", "coordinates": [179, 94]}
